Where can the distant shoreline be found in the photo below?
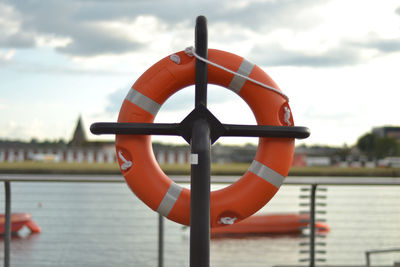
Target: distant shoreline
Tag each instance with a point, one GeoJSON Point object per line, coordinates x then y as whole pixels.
{"type": "Point", "coordinates": [234, 169]}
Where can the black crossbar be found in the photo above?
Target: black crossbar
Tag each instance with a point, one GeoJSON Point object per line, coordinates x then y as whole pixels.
{"type": "Point", "coordinates": [298, 132]}
{"type": "Point", "coordinates": [135, 128]}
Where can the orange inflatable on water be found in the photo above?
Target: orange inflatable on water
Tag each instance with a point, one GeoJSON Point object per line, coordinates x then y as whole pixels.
{"type": "Point", "coordinates": [271, 224]}
{"type": "Point", "coordinates": [19, 220]}
{"type": "Point", "coordinates": [265, 174]}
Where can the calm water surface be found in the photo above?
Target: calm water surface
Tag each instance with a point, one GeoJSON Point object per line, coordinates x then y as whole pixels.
{"type": "Point", "coordinates": [90, 224]}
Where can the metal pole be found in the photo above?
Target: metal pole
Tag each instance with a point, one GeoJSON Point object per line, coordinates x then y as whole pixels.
{"type": "Point", "coordinates": [7, 239]}
{"type": "Point", "coordinates": [200, 196]}
{"type": "Point", "coordinates": [200, 161]}
{"type": "Point", "coordinates": [312, 225]}
{"type": "Point", "coordinates": [368, 259]}
{"type": "Point", "coordinates": [201, 44]}
{"type": "Point", "coordinates": [160, 240]}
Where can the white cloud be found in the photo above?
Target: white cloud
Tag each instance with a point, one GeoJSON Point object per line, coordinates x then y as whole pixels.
{"type": "Point", "coordinates": [16, 129]}
{"type": "Point", "coordinates": [143, 29]}
{"type": "Point", "coordinates": [337, 60]}
{"type": "Point", "coordinates": [52, 41]}
{"type": "Point", "coordinates": [7, 55]}
{"type": "Point", "coordinates": [9, 19]}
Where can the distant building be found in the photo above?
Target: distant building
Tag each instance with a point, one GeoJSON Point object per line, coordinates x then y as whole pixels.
{"type": "Point", "coordinates": [299, 160]}
{"type": "Point", "coordinates": [318, 161]}
{"type": "Point", "coordinates": [233, 153]}
{"type": "Point", "coordinates": [316, 156]}
{"type": "Point", "coordinates": [387, 131]}
{"type": "Point", "coordinates": [80, 149]}
{"type": "Point", "coordinates": [79, 136]}
{"type": "Point", "coordinates": [171, 154]}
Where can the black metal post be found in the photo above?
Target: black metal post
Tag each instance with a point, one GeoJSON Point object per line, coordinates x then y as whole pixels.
{"type": "Point", "coordinates": [7, 230]}
{"type": "Point", "coordinates": [160, 240]}
{"type": "Point", "coordinates": [200, 196]}
{"type": "Point", "coordinates": [200, 162]}
{"type": "Point", "coordinates": [312, 225]}
{"type": "Point", "coordinates": [201, 46]}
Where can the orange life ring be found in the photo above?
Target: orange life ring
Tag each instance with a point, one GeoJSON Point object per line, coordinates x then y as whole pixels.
{"type": "Point", "coordinates": [236, 201]}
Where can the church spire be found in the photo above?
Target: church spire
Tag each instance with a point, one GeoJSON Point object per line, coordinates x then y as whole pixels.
{"type": "Point", "coordinates": [79, 136]}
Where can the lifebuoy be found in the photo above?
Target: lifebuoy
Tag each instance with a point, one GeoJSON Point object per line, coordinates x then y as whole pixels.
{"type": "Point", "coordinates": [236, 201]}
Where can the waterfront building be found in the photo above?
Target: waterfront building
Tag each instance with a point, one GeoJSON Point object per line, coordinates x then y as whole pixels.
{"type": "Point", "coordinates": [387, 131]}
{"type": "Point", "coordinates": [81, 149]}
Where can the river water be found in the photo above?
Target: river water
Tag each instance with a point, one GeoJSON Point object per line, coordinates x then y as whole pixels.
{"type": "Point", "coordinates": [104, 224]}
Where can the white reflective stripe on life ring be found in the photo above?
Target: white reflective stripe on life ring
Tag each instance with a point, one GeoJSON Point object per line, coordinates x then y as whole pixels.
{"type": "Point", "coordinates": [266, 173]}
{"type": "Point", "coordinates": [237, 82]}
{"type": "Point", "coordinates": [143, 101]}
{"type": "Point", "coordinates": [168, 202]}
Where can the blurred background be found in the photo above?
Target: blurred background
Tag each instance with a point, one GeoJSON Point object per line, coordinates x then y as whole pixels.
{"type": "Point", "coordinates": [336, 60]}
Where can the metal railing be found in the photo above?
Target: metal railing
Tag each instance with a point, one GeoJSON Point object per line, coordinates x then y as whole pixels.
{"type": "Point", "coordinates": [368, 253]}
{"type": "Point", "coordinates": [312, 183]}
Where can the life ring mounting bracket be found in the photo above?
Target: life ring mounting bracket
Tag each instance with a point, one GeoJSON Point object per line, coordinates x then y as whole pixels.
{"type": "Point", "coordinates": [217, 129]}
{"type": "Point", "coordinates": [201, 128]}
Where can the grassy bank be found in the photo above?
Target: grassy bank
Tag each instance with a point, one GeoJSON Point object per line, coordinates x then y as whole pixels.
{"type": "Point", "coordinates": [184, 169]}
{"type": "Point", "coordinates": [58, 168]}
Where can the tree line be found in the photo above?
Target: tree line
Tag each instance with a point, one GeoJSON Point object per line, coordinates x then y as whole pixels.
{"type": "Point", "coordinates": [374, 146]}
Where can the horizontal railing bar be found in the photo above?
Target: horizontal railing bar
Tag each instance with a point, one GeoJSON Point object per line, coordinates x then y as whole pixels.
{"type": "Point", "coordinates": [343, 180]}
{"type": "Point", "coordinates": [383, 250]}
{"type": "Point", "coordinates": [330, 265]}
{"type": "Point", "coordinates": [186, 179]}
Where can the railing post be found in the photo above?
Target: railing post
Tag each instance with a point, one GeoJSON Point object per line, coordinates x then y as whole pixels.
{"type": "Point", "coordinates": [7, 230]}
{"type": "Point", "coordinates": [367, 254]}
{"type": "Point", "coordinates": [312, 225]}
{"type": "Point", "coordinates": [160, 240]}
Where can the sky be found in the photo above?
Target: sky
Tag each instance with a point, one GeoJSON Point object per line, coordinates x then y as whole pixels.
{"type": "Point", "coordinates": [338, 61]}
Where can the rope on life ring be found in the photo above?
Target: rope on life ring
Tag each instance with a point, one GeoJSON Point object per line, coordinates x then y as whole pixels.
{"type": "Point", "coordinates": [265, 174]}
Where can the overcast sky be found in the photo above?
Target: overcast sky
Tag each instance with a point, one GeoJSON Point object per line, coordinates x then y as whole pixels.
{"type": "Point", "coordinates": [338, 61]}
